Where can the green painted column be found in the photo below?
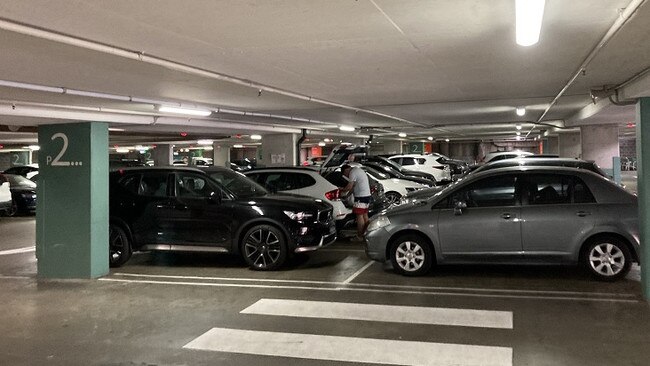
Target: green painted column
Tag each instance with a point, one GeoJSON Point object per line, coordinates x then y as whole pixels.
{"type": "Point", "coordinates": [643, 189]}
{"type": "Point", "coordinates": [72, 206]}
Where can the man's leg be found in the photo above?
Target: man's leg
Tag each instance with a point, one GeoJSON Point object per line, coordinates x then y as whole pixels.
{"type": "Point", "coordinates": [366, 221]}
{"type": "Point", "coordinates": [361, 225]}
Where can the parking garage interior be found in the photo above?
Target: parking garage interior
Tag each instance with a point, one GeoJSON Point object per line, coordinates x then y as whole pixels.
{"type": "Point", "coordinates": [90, 87]}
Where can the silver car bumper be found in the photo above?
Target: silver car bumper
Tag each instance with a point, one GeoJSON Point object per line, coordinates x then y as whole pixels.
{"type": "Point", "coordinates": [375, 244]}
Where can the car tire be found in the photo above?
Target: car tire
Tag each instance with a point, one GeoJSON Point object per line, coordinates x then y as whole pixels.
{"type": "Point", "coordinates": [119, 246]}
{"type": "Point", "coordinates": [13, 210]}
{"type": "Point", "coordinates": [411, 255]}
{"type": "Point", "coordinates": [393, 198]}
{"type": "Point", "coordinates": [607, 258]}
{"type": "Point", "coordinates": [264, 248]}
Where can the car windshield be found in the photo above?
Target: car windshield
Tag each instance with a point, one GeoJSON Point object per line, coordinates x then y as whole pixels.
{"type": "Point", "coordinates": [20, 181]}
{"type": "Point", "coordinates": [238, 184]}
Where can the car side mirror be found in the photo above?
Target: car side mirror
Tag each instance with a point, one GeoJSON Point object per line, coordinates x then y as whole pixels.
{"type": "Point", "coordinates": [459, 207]}
{"type": "Point", "coordinates": [215, 198]}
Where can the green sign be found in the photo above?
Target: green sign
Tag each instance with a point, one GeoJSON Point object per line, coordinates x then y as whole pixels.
{"type": "Point", "coordinates": [416, 147]}
{"type": "Point", "coordinates": [72, 201]}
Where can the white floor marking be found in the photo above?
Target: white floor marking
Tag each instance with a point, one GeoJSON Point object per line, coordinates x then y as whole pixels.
{"type": "Point", "coordinates": [357, 273]}
{"type": "Point", "coordinates": [18, 251]}
{"type": "Point", "coordinates": [437, 293]}
{"type": "Point", "coordinates": [399, 287]}
{"type": "Point", "coordinates": [350, 349]}
{"type": "Point", "coordinates": [382, 313]}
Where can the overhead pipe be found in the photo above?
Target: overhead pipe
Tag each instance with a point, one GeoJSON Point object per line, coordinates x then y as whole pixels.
{"type": "Point", "coordinates": [60, 37]}
{"type": "Point", "coordinates": [624, 16]}
{"type": "Point", "coordinates": [300, 141]}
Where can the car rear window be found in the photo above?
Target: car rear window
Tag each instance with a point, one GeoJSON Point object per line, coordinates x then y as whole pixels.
{"type": "Point", "coordinates": [288, 181]}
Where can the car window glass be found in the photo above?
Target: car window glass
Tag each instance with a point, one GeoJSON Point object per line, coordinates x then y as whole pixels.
{"type": "Point", "coordinates": [288, 181]}
{"type": "Point", "coordinates": [153, 184]}
{"type": "Point", "coordinates": [238, 184]}
{"type": "Point", "coordinates": [581, 193]}
{"type": "Point", "coordinates": [421, 161]}
{"type": "Point", "coordinates": [194, 186]}
{"type": "Point", "coordinates": [131, 183]}
{"type": "Point", "coordinates": [545, 189]}
{"type": "Point", "coordinates": [488, 192]}
{"type": "Point", "coordinates": [408, 161]}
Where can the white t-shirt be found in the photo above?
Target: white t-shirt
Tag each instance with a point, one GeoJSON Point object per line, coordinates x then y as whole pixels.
{"type": "Point", "coordinates": [361, 184]}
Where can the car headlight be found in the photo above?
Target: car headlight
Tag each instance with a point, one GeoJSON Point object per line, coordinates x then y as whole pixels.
{"type": "Point", "coordinates": [298, 215]}
{"type": "Point", "coordinates": [378, 223]}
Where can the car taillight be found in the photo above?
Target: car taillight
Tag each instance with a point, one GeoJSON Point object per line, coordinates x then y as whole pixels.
{"type": "Point", "coordinates": [333, 195]}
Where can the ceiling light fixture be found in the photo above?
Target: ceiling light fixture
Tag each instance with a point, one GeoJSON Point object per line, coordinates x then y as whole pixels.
{"type": "Point", "coordinates": [191, 112]}
{"type": "Point", "coordinates": [34, 147]}
{"type": "Point", "coordinates": [113, 129]}
{"type": "Point", "coordinates": [327, 140]}
{"type": "Point", "coordinates": [238, 146]}
{"type": "Point", "coordinates": [518, 127]}
{"type": "Point", "coordinates": [122, 151]}
{"type": "Point", "coordinates": [256, 137]}
{"type": "Point", "coordinates": [446, 140]}
{"type": "Point", "coordinates": [321, 144]}
{"type": "Point", "coordinates": [518, 133]}
{"type": "Point", "coordinates": [521, 111]}
{"type": "Point", "coordinates": [529, 21]}
{"type": "Point", "coordinates": [430, 138]}
{"type": "Point", "coordinates": [401, 134]}
{"type": "Point", "coordinates": [205, 142]}
{"type": "Point", "coordinates": [346, 128]}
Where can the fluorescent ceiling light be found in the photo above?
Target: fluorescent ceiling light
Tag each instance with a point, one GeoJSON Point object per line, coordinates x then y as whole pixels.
{"type": "Point", "coordinates": [122, 151]}
{"type": "Point", "coordinates": [327, 140]}
{"type": "Point", "coordinates": [34, 147]}
{"type": "Point", "coordinates": [401, 134]}
{"type": "Point", "coordinates": [238, 146]}
{"type": "Point", "coordinates": [529, 21]}
{"type": "Point", "coordinates": [321, 144]}
{"type": "Point", "coordinates": [430, 138]}
{"type": "Point", "coordinates": [346, 128]}
{"type": "Point", "coordinates": [446, 140]}
{"type": "Point", "coordinates": [116, 129]}
{"type": "Point", "coordinates": [256, 137]}
{"type": "Point", "coordinates": [204, 142]}
{"type": "Point", "coordinates": [191, 112]}
{"type": "Point", "coordinates": [518, 127]}
{"type": "Point", "coordinates": [521, 111]}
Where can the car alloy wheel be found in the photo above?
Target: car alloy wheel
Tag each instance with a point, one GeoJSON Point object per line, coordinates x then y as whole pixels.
{"type": "Point", "coordinates": [608, 259]}
{"type": "Point", "coordinates": [264, 248]}
{"type": "Point", "coordinates": [119, 248]}
{"type": "Point", "coordinates": [411, 255]}
{"type": "Point", "coordinates": [393, 198]}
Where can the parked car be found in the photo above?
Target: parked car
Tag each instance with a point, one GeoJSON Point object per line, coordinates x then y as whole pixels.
{"type": "Point", "coordinates": [314, 161]}
{"type": "Point", "coordinates": [27, 171]}
{"type": "Point", "coordinates": [425, 163]}
{"type": "Point", "coordinates": [408, 174]}
{"type": "Point", "coordinates": [23, 194]}
{"type": "Point", "coordinates": [201, 161]}
{"type": "Point", "coordinates": [394, 188]}
{"type": "Point", "coordinates": [502, 155]}
{"type": "Point", "coordinates": [6, 202]}
{"type": "Point", "coordinates": [301, 181]}
{"type": "Point", "coordinates": [184, 209]}
{"type": "Point", "coordinates": [458, 167]}
{"type": "Point", "coordinates": [518, 215]}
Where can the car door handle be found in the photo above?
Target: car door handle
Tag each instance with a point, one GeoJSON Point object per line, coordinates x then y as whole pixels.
{"type": "Point", "coordinates": [506, 216]}
{"type": "Point", "coordinates": [583, 213]}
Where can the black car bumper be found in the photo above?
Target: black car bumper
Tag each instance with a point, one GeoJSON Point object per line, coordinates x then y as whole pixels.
{"type": "Point", "coordinates": [310, 236]}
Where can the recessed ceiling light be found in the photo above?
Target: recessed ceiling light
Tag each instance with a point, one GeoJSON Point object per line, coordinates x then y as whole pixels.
{"type": "Point", "coordinates": [346, 128]}
{"type": "Point", "coordinates": [256, 137]}
{"type": "Point", "coordinates": [191, 112]}
{"type": "Point", "coordinates": [446, 140]}
{"type": "Point", "coordinates": [401, 134]}
{"type": "Point", "coordinates": [430, 138]}
{"type": "Point", "coordinates": [521, 111]}
{"type": "Point", "coordinates": [529, 21]}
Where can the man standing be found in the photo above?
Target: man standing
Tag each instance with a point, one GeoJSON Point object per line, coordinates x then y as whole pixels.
{"type": "Point", "coordinates": [360, 187]}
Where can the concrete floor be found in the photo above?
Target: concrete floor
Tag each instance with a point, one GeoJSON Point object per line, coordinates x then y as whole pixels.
{"type": "Point", "coordinates": [147, 311]}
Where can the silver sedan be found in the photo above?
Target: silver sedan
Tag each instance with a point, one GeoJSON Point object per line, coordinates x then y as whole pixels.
{"type": "Point", "coordinates": [516, 215]}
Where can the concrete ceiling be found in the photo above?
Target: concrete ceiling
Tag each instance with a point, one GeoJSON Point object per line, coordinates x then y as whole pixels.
{"type": "Point", "coordinates": [442, 68]}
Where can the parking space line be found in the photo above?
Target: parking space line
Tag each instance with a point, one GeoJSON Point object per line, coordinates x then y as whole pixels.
{"type": "Point", "coordinates": [228, 279]}
{"type": "Point", "coordinates": [18, 251]}
{"type": "Point", "coordinates": [357, 273]}
{"type": "Point", "coordinates": [349, 349]}
{"type": "Point", "coordinates": [358, 289]}
{"type": "Point", "coordinates": [382, 313]}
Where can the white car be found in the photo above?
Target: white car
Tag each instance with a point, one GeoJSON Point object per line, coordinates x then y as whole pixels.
{"type": "Point", "coordinates": [302, 181]}
{"type": "Point", "coordinates": [502, 155]}
{"type": "Point", "coordinates": [425, 163]}
{"type": "Point", "coordinates": [5, 196]}
{"type": "Point", "coordinates": [394, 188]}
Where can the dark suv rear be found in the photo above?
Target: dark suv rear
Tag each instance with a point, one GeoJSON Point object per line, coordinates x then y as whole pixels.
{"type": "Point", "coordinates": [183, 209]}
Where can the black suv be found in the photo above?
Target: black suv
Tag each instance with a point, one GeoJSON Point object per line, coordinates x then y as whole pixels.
{"type": "Point", "coordinates": [184, 209]}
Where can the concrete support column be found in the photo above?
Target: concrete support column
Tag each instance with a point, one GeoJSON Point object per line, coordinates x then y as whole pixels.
{"type": "Point", "coordinates": [552, 145]}
{"type": "Point", "coordinates": [72, 215]}
{"type": "Point", "coordinates": [392, 147]}
{"type": "Point", "coordinates": [162, 155]}
{"type": "Point", "coordinates": [220, 153]}
{"type": "Point", "coordinates": [600, 144]}
{"type": "Point", "coordinates": [279, 150]}
{"type": "Point", "coordinates": [569, 145]}
{"type": "Point", "coordinates": [643, 189]}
